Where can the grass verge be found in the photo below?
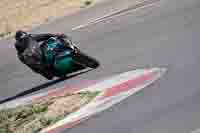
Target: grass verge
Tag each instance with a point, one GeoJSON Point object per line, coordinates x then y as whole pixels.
{"type": "Point", "coordinates": [25, 14]}
{"type": "Point", "coordinates": [34, 117]}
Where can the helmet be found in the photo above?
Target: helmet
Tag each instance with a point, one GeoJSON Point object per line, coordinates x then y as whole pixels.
{"type": "Point", "coordinates": [20, 35]}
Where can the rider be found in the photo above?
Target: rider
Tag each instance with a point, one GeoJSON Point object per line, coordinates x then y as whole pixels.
{"type": "Point", "coordinates": [29, 51]}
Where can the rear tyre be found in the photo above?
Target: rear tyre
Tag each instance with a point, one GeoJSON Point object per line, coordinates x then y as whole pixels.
{"type": "Point", "coordinates": [47, 76]}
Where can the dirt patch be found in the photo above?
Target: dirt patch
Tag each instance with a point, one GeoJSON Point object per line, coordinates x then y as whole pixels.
{"type": "Point", "coordinates": [24, 14]}
{"type": "Point", "coordinates": [36, 116]}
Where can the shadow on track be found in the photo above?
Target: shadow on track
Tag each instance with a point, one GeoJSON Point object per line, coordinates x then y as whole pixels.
{"type": "Point", "coordinates": [42, 86]}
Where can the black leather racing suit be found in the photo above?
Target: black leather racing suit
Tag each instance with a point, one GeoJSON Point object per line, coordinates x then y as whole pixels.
{"type": "Point", "coordinates": [31, 46]}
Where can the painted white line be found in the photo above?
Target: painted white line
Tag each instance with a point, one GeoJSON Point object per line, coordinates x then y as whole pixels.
{"type": "Point", "coordinates": [20, 101]}
{"type": "Point", "coordinates": [118, 13]}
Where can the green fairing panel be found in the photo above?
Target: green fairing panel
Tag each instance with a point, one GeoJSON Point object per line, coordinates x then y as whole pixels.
{"type": "Point", "coordinates": [64, 64]}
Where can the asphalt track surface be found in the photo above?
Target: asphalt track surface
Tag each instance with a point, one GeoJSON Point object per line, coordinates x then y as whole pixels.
{"type": "Point", "coordinates": [165, 34]}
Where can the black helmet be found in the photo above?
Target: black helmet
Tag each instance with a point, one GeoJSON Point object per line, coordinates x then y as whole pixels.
{"type": "Point", "coordinates": [20, 35]}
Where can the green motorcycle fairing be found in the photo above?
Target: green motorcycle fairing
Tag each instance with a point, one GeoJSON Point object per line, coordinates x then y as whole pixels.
{"type": "Point", "coordinates": [62, 64]}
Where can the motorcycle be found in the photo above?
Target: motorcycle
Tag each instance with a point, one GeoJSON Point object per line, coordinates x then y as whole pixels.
{"type": "Point", "coordinates": [67, 58]}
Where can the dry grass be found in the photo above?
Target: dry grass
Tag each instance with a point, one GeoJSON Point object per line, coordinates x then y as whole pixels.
{"type": "Point", "coordinates": [18, 14]}
{"type": "Point", "coordinates": [34, 117]}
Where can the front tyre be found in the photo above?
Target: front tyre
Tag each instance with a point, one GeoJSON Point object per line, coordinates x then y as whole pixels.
{"type": "Point", "coordinates": [86, 60]}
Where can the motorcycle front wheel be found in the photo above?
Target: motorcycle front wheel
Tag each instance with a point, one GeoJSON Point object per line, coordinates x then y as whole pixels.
{"type": "Point", "coordinates": [86, 60]}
